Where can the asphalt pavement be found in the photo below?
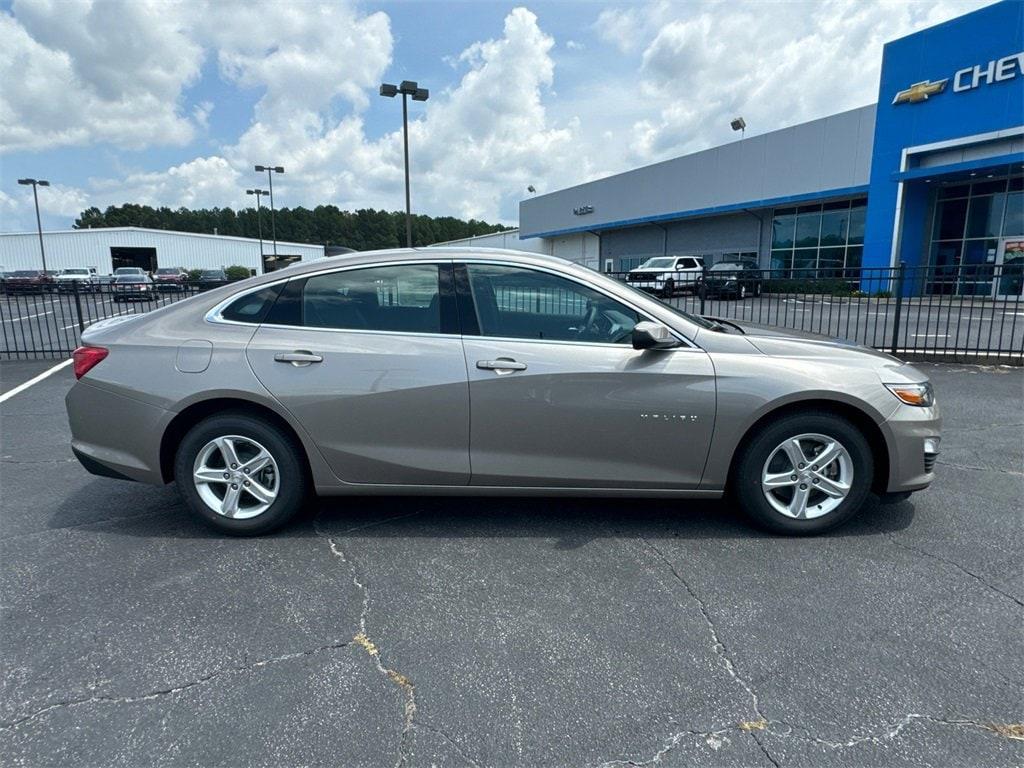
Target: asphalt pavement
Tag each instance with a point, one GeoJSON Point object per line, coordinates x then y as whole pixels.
{"type": "Point", "coordinates": [504, 632]}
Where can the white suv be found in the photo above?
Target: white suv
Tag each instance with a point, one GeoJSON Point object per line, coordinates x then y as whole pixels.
{"type": "Point", "coordinates": [84, 278]}
{"type": "Point", "coordinates": [667, 275]}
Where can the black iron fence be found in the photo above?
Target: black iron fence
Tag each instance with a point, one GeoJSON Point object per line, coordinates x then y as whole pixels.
{"type": "Point", "coordinates": [962, 313]}
{"type": "Point", "coordinates": [39, 321]}
{"type": "Point", "coordinates": [965, 313]}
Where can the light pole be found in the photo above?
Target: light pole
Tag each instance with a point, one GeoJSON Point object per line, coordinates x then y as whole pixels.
{"type": "Point", "coordinates": [406, 88]}
{"type": "Point", "coordinates": [39, 224]}
{"type": "Point", "coordinates": [271, 170]}
{"type": "Point", "coordinates": [259, 220]}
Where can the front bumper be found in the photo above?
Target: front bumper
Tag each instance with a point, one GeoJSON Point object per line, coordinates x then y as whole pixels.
{"type": "Point", "coordinates": [913, 436]}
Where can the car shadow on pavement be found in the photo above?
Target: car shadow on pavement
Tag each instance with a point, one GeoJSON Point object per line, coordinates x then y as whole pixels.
{"type": "Point", "coordinates": [570, 523]}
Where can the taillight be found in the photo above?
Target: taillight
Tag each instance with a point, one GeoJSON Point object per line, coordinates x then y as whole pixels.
{"type": "Point", "coordinates": [86, 357]}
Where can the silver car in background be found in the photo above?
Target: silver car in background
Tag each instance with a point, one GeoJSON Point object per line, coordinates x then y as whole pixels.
{"type": "Point", "coordinates": [460, 371]}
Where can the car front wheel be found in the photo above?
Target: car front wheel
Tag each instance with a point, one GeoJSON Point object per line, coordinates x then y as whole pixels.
{"type": "Point", "coordinates": [804, 474]}
{"type": "Point", "coordinates": [241, 474]}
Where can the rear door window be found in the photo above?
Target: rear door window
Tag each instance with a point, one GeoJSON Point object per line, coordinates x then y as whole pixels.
{"type": "Point", "coordinates": [402, 298]}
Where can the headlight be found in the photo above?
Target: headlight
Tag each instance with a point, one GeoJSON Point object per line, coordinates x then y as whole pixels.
{"type": "Point", "coordinates": [913, 394]}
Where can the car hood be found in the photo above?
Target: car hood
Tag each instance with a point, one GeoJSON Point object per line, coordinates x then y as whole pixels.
{"type": "Point", "coordinates": [786, 342]}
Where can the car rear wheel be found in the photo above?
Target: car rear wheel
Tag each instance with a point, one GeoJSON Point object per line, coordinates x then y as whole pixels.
{"type": "Point", "coordinates": [804, 474]}
{"type": "Point", "coordinates": [669, 288]}
{"type": "Point", "coordinates": [240, 474]}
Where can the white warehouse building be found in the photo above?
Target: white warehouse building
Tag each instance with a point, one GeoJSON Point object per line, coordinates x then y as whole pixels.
{"type": "Point", "coordinates": [106, 249]}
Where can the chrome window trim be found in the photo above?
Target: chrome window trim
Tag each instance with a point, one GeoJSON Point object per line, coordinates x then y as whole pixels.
{"type": "Point", "coordinates": [214, 315]}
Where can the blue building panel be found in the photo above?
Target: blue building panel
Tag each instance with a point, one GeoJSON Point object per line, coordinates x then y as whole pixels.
{"type": "Point", "coordinates": [958, 82]}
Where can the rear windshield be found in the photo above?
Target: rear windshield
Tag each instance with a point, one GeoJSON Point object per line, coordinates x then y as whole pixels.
{"type": "Point", "coordinates": [167, 271]}
{"type": "Point", "coordinates": [131, 279]}
{"type": "Point", "coordinates": [76, 272]}
{"type": "Point", "coordinates": [26, 273]}
{"type": "Point", "coordinates": [213, 273]}
{"type": "Point", "coordinates": [728, 266]}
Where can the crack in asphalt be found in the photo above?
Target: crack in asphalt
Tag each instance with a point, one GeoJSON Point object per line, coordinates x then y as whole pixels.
{"type": "Point", "coordinates": [362, 639]}
{"type": "Point", "coordinates": [170, 691]}
{"type": "Point", "coordinates": [954, 564]}
{"type": "Point", "coordinates": [444, 734]}
{"type": "Point", "coordinates": [783, 728]}
{"type": "Point", "coordinates": [722, 651]}
{"type": "Point", "coordinates": [894, 729]}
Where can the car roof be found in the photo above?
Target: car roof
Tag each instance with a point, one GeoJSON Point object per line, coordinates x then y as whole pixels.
{"type": "Point", "coordinates": [440, 253]}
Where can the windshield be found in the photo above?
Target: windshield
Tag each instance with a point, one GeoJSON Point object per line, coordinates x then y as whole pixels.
{"type": "Point", "coordinates": [75, 272]}
{"type": "Point", "coordinates": [727, 266]}
{"type": "Point", "coordinates": [213, 273]}
{"type": "Point", "coordinates": [128, 271]}
{"type": "Point", "coordinates": [132, 279]}
{"type": "Point", "coordinates": [167, 271]}
{"type": "Point", "coordinates": [25, 273]}
{"type": "Point", "coordinates": [661, 263]}
{"type": "Point", "coordinates": [695, 319]}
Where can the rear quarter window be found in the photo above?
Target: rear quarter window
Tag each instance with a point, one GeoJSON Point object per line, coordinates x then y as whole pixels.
{"type": "Point", "coordinates": [253, 307]}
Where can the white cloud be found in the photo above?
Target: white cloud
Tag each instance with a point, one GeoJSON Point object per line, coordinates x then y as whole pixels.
{"type": "Point", "coordinates": [671, 76]}
{"type": "Point", "coordinates": [18, 212]}
{"type": "Point", "coordinates": [776, 63]}
{"type": "Point", "coordinates": [77, 73]}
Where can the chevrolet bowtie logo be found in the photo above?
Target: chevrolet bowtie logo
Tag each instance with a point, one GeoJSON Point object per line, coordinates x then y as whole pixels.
{"type": "Point", "coordinates": [920, 91]}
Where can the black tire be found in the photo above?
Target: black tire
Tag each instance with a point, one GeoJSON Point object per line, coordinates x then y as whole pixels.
{"type": "Point", "coordinates": [293, 483]}
{"type": "Point", "coordinates": [669, 288]}
{"type": "Point", "coordinates": [745, 482]}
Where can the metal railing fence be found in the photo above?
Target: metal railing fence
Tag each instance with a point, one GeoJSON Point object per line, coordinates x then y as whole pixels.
{"type": "Point", "coordinates": [959, 313]}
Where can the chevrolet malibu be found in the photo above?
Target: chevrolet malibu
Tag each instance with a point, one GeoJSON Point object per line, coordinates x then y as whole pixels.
{"type": "Point", "coordinates": [455, 371]}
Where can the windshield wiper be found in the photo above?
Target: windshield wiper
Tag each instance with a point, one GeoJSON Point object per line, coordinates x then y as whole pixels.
{"type": "Point", "coordinates": [722, 323]}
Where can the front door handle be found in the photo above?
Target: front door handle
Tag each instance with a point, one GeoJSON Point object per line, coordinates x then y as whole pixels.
{"type": "Point", "coordinates": [501, 366]}
{"type": "Point", "coordinates": [299, 358]}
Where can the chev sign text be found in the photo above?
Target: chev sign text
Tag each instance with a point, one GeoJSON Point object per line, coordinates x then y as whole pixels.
{"type": "Point", "coordinates": [995, 71]}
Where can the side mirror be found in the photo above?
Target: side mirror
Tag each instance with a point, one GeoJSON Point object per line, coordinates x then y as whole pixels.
{"type": "Point", "coordinates": [647, 335]}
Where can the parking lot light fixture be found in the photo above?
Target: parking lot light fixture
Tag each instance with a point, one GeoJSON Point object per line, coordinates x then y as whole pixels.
{"type": "Point", "coordinates": [36, 183]}
{"type": "Point", "coordinates": [271, 170]}
{"type": "Point", "coordinates": [407, 88]}
{"type": "Point", "coordinates": [259, 218]}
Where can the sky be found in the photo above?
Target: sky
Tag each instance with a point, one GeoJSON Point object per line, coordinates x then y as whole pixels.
{"type": "Point", "coordinates": [172, 103]}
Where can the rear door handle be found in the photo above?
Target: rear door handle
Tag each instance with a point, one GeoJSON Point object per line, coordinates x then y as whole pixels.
{"type": "Point", "coordinates": [501, 366]}
{"type": "Point", "coordinates": [299, 358]}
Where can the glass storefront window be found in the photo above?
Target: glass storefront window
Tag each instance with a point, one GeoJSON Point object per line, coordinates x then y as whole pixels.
{"type": "Point", "coordinates": [782, 261]}
{"type": "Point", "coordinates": [833, 227]}
{"type": "Point", "coordinates": [1013, 223]}
{"type": "Point", "coordinates": [782, 231]}
{"type": "Point", "coordinates": [858, 214]}
{"type": "Point", "coordinates": [807, 227]}
{"type": "Point", "coordinates": [821, 234]}
{"type": "Point", "coordinates": [951, 215]}
{"type": "Point", "coordinates": [984, 215]}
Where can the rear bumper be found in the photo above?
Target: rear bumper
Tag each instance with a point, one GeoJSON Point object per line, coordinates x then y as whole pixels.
{"type": "Point", "coordinates": [115, 436]}
{"type": "Point", "coordinates": [908, 432]}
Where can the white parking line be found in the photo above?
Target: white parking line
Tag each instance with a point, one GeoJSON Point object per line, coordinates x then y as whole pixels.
{"type": "Point", "coordinates": [34, 380]}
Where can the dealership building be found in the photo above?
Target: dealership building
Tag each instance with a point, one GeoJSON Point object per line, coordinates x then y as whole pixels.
{"type": "Point", "coordinates": [930, 175]}
{"type": "Point", "coordinates": [106, 249]}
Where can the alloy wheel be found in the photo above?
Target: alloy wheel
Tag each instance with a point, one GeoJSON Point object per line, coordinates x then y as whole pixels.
{"type": "Point", "coordinates": [807, 476]}
{"type": "Point", "coordinates": [236, 477]}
